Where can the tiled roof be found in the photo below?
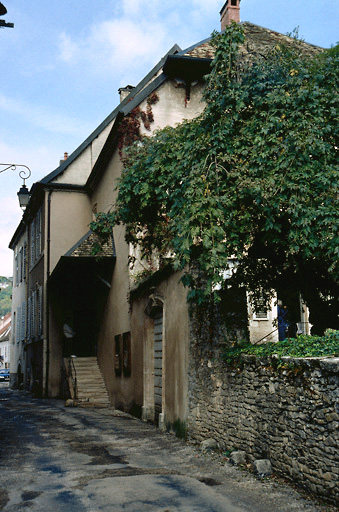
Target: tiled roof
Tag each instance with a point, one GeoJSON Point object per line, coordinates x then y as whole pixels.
{"type": "Point", "coordinates": [4, 334]}
{"type": "Point", "coordinates": [258, 41]}
{"type": "Point", "coordinates": [84, 247]}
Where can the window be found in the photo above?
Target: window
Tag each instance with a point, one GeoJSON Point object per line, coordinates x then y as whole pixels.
{"type": "Point", "coordinates": [30, 318]}
{"type": "Point", "coordinates": [35, 314]}
{"type": "Point", "coordinates": [260, 314]}
{"type": "Point", "coordinates": [39, 310]}
{"type": "Point", "coordinates": [117, 355]}
{"type": "Point", "coordinates": [14, 328]}
{"type": "Point", "coordinates": [20, 264]}
{"type": "Point", "coordinates": [126, 350]}
{"type": "Point", "coordinates": [18, 324]}
{"type": "Point", "coordinates": [38, 234]}
{"type": "Point", "coordinates": [23, 322]}
{"type": "Point", "coordinates": [122, 354]}
{"type": "Point", "coordinates": [24, 263]}
{"type": "Point", "coordinates": [32, 243]}
{"type": "Point", "coordinates": [36, 238]}
{"type": "Point", "coordinates": [16, 265]}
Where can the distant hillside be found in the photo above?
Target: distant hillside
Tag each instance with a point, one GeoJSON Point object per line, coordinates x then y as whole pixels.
{"type": "Point", "coordinates": [5, 295]}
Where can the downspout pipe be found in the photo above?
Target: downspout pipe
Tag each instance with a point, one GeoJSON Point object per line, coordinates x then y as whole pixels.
{"type": "Point", "coordinates": [47, 291]}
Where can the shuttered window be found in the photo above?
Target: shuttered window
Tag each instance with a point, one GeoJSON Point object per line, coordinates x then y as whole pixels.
{"type": "Point", "coordinates": [16, 264]}
{"type": "Point", "coordinates": [18, 324]}
{"type": "Point", "coordinates": [29, 318]}
{"type": "Point", "coordinates": [32, 242]}
{"type": "Point", "coordinates": [38, 235]}
{"type": "Point", "coordinates": [23, 322]}
{"type": "Point", "coordinates": [39, 310]}
{"type": "Point", "coordinates": [34, 314]}
{"type": "Point", "coordinates": [24, 262]}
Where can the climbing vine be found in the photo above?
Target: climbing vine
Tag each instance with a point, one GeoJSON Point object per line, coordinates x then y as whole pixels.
{"type": "Point", "coordinates": [254, 179]}
{"type": "Point", "coordinates": [129, 128]}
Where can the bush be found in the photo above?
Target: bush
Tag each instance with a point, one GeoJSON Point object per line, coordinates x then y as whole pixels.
{"type": "Point", "coordinates": [302, 346]}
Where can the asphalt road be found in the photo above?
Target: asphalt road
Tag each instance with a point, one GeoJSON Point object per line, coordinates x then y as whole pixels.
{"type": "Point", "coordinates": [54, 459]}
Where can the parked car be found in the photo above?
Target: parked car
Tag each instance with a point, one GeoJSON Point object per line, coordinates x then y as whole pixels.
{"type": "Point", "coordinates": [4, 374]}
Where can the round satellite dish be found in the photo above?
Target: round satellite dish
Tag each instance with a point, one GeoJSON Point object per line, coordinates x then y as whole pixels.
{"type": "Point", "coordinates": [3, 9]}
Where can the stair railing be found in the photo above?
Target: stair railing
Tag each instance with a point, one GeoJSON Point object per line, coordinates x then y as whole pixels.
{"type": "Point", "coordinates": [72, 378]}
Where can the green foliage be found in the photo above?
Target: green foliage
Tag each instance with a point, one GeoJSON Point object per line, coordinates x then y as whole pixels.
{"type": "Point", "coordinates": [255, 178]}
{"type": "Point", "coordinates": [5, 296]}
{"type": "Point", "coordinates": [302, 346]}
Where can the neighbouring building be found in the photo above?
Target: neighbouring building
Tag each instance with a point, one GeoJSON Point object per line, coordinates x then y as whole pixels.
{"type": "Point", "coordinates": [139, 332]}
{"type": "Point", "coordinates": [5, 333]}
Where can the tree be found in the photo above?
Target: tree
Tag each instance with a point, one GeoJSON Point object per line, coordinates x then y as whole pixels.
{"type": "Point", "coordinates": [5, 296]}
{"type": "Point", "coordinates": [253, 179]}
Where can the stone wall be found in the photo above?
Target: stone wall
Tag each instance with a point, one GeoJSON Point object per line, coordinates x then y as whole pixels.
{"type": "Point", "coordinates": [287, 415]}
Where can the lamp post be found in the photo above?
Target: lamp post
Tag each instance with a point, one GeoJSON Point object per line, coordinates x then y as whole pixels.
{"type": "Point", "coordinates": [3, 11]}
{"type": "Point", "coordinates": [23, 194]}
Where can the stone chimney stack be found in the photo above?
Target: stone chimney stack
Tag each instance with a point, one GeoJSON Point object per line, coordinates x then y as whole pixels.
{"type": "Point", "coordinates": [125, 91]}
{"type": "Point", "coordinates": [230, 12]}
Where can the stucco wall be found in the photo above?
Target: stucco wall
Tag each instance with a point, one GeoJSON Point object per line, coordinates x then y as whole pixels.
{"type": "Point", "coordinates": [17, 354]}
{"type": "Point", "coordinates": [70, 215]}
{"type": "Point", "coordinates": [79, 170]}
{"type": "Point", "coordinates": [289, 416]}
{"type": "Point", "coordinates": [175, 347]}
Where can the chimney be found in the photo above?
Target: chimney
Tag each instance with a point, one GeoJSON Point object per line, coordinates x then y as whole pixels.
{"type": "Point", "coordinates": [65, 158]}
{"type": "Point", "coordinates": [230, 12]}
{"type": "Point", "coordinates": [124, 92]}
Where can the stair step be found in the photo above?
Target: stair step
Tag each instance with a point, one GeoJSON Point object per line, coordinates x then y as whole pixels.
{"type": "Point", "coordinates": [91, 389]}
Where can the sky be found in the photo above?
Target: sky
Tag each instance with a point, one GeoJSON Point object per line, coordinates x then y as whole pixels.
{"type": "Point", "coordinates": [64, 61]}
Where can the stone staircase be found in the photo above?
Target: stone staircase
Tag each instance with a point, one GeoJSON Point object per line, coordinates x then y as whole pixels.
{"type": "Point", "coordinates": [91, 389]}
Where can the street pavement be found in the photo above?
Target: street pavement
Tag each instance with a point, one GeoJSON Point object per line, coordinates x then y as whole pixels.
{"type": "Point", "coordinates": [54, 458]}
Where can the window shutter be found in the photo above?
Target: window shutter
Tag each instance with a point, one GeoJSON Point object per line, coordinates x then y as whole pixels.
{"type": "Point", "coordinates": [32, 242]}
{"type": "Point", "coordinates": [24, 264]}
{"type": "Point", "coordinates": [38, 235]}
{"type": "Point", "coordinates": [16, 270]}
{"type": "Point", "coordinates": [33, 314]}
{"type": "Point", "coordinates": [18, 323]}
{"type": "Point", "coordinates": [23, 321]}
{"type": "Point", "coordinates": [29, 318]}
{"type": "Point", "coordinates": [40, 311]}
{"type": "Point", "coordinates": [20, 264]}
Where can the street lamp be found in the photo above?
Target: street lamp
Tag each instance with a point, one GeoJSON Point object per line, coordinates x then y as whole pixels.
{"type": "Point", "coordinates": [23, 193]}
{"type": "Point", "coordinates": [3, 11]}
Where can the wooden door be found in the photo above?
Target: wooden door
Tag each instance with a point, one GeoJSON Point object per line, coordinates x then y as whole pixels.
{"type": "Point", "coordinates": [158, 327]}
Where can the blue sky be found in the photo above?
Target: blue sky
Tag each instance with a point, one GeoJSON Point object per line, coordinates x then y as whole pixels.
{"type": "Point", "coordinates": [62, 65]}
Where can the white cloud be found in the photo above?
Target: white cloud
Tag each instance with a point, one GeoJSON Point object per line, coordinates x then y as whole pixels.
{"type": "Point", "coordinates": [208, 6]}
{"type": "Point", "coordinates": [41, 160]}
{"type": "Point", "coordinates": [43, 117]}
{"type": "Point", "coordinates": [10, 215]}
{"type": "Point", "coordinates": [68, 49]}
{"type": "Point", "coordinates": [118, 47]}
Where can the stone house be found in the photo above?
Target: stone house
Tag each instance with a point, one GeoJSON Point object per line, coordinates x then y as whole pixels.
{"type": "Point", "coordinates": [139, 332]}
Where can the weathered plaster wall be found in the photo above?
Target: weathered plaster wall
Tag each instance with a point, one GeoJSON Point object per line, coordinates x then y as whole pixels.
{"type": "Point", "coordinates": [79, 170]}
{"type": "Point", "coordinates": [17, 354]}
{"type": "Point", "coordinates": [290, 416]}
{"type": "Point", "coordinates": [175, 347]}
{"type": "Point", "coordinates": [124, 391]}
{"type": "Point", "coordinates": [70, 218]}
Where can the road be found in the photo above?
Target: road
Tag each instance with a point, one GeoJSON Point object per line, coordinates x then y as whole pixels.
{"type": "Point", "coordinates": [89, 460]}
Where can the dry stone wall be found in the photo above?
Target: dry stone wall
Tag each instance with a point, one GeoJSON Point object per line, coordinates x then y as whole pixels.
{"type": "Point", "coordinates": [287, 415]}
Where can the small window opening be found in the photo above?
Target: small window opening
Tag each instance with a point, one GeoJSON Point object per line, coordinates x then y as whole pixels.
{"type": "Point", "coordinates": [117, 356]}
